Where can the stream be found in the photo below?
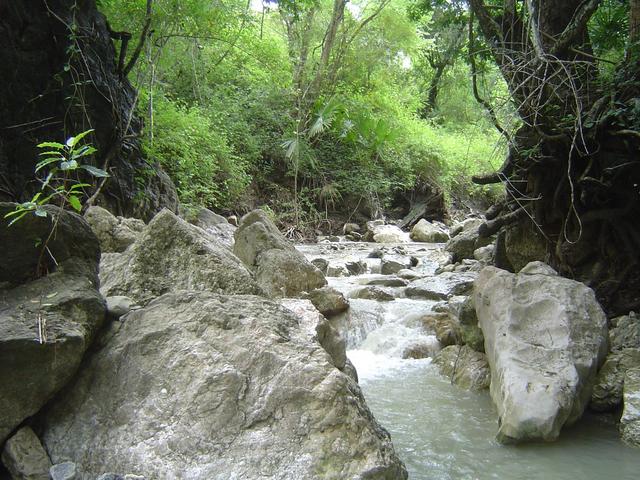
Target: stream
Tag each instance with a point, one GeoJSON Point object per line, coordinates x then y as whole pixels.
{"type": "Point", "coordinates": [439, 430]}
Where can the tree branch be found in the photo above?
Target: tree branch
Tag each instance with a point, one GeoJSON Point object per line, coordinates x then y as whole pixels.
{"type": "Point", "coordinates": [576, 26]}
{"type": "Point", "coordinates": [143, 37]}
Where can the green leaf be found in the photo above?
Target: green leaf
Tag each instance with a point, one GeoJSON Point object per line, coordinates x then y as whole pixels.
{"type": "Point", "coordinates": [84, 151]}
{"type": "Point", "coordinates": [40, 165]}
{"type": "Point", "coordinates": [41, 212]}
{"type": "Point", "coordinates": [69, 165]}
{"type": "Point", "coordinates": [78, 186]}
{"type": "Point", "coordinates": [22, 214]}
{"type": "Point", "coordinates": [57, 145]}
{"type": "Point", "coordinates": [75, 203]}
{"type": "Point", "coordinates": [95, 171]}
{"type": "Point", "coordinates": [73, 141]}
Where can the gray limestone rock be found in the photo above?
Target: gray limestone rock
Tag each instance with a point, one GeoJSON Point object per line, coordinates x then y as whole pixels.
{"type": "Point", "coordinates": [24, 457]}
{"type": "Point", "coordinates": [328, 301]}
{"type": "Point", "coordinates": [373, 293]}
{"type": "Point", "coordinates": [215, 225]}
{"type": "Point", "coordinates": [545, 338]}
{"type": "Point", "coordinates": [425, 231]}
{"type": "Point", "coordinates": [172, 255]}
{"type": "Point", "coordinates": [441, 287]}
{"type": "Point", "coordinates": [321, 264]}
{"type": "Point", "coordinates": [279, 268]}
{"type": "Point", "coordinates": [390, 267]}
{"type": "Point", "coordinates": [217, 387]}
{"type": "Point", "coordinates": [607, 390]}
{"type": "Point", "coordinates": [467, 368]}
{"type": "Point", "coordinates": [319, 328]}
{"type": "Point", "coordinates": [46, 324]}
{"type": "Point", "coordinates": [630, 421]}
{"type": "Point", "coordinates": [119, 305]}
{"type": "Point", "coordinates": [467, 241]}
{"type": "Point", "coordinates": [115, 234]}
{"type": "Point", "coordinates": [469, 330]}
{"type": "Point", "coordinates": [625, 333]}
{"type": "Point", "coordinates": [64, 471]}
{"type": "Point", "coordinates": [445, 327]}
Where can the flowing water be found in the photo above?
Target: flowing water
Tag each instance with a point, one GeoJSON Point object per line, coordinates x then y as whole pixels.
{"type": "Point", "coordinates": [439, 430]}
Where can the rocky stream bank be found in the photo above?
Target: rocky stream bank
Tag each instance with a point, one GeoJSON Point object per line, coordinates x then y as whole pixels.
{"type": "Point", "coordinates": [189, 348]}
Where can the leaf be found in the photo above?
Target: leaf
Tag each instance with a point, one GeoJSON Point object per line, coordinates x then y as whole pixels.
{"type": "Point", "coordinates": [291, 147]}
{"type": "Point", "coordinates": [56, 145]}
{"type": "Point", "coordinates": [73, 141]}
{"type": "Point", "coordinates": [84, 151]}
{"type": "Point", "coordinates": [75, 203]}
{"type": "Point", "coordinates": [68, 165]}
{"type": "Point", "coordinates": [22, 214]}
{"type": "Point", "coordinates": [41, 212]}
{"type": "Point", "coordinates": [95, 171]}
{"type": "Point", "coordinates": [40, 165]}
{"type": "Point", "coordinates": [78, 186]}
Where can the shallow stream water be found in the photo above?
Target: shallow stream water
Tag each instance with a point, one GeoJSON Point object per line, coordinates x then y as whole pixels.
{"type": "Point", "coordinates": [439, 430]}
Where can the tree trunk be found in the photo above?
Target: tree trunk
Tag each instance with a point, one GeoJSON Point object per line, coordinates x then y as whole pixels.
{"type": "Point", "coordinates": [432, 95]}
{"type": "Point", "coordinates": [572, 170]}
{"type": "Point", "coordinates": [634, 21]}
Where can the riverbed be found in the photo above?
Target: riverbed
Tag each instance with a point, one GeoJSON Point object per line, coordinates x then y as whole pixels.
{"type": "Point", "coordinates": [439, 430]}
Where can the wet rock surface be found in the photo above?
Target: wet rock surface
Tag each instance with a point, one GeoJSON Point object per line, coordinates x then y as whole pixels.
{"type": "Point", "coordinates": [545, 338]}
{"type": "Point", "coordinates": [213, 387]}
{"type": "Point", "coordinates": [170, 255]}
{"type": "Point", "coordinates": [280, 270]}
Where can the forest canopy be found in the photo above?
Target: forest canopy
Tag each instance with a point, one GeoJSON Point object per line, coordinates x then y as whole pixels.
{"type": "Point", "coordinates": [311, 106]}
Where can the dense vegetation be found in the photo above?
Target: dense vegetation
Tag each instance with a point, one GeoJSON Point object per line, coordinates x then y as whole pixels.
{"type": "Point", "coordinates": [309, 106]}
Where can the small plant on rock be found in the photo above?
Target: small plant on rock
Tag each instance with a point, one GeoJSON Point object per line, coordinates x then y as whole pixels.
{"type": "Point", "coordinates": [60, 165]}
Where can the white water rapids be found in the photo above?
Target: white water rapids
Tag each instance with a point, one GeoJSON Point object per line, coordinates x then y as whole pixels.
{"type": "Point", "coordinates": [439, 430]}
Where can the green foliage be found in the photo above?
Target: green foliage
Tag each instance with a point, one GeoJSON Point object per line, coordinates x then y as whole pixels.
{"type": "Point", "coordinates": [196, 155]}
{"type": "Point", "coordinates": [226, 117]}
{"type": "Point", "coordinates": [59, 183]}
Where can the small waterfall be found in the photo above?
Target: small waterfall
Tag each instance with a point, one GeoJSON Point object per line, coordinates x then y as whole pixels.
{"type": "Point", "coordinates": [440, 431]}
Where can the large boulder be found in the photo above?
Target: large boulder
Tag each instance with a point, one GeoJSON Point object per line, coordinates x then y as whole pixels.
{"type": "Point", "coordinates": [389, 234]}
{"type": "Point", "coordinates": [114, 233]}
{"type": "Point", "coordinates": [173, 255]}
{"type": "Point", "coordinates": [464, 366]}
{"type": "Point", "coordinates": [319, 329]}
{"type": "Point", "coordinates": [466, 241]}
{"type": "Point", "coordinates": [441, 287]}
{"type": "Point", "coordinates": [72, 247]}
{"type": "Point", "coordinates": [630, 421]}
{"type": "Point", "coordinates": [624, 339]}
{"type": "Point", "coordinates": [212, 223]}
{"type": "Point", "coordinates": [469, 330]}
{"type": "Point", "coordinates": [47, 323]}
{"type": "Point", "coordinates": [608, 387]}
{"type": "Point", "coordinates": [545, 337]}
{"type": "Point", "coordinates": [280, 269]}
{"type": "Point", "coordinates": [204, 386]}
{"type": "Point", "coordinates": [444, 326]}
{"type": "Point", "coordinates": [425, 231]}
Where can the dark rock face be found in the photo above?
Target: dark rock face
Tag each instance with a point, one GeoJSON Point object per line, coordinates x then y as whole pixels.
{"type": "Point", "coordinates": [72, 246]}
{"type": "Point", "coordinates": [46, 324]}
{"type": "Point", "coordinates": [55, 84]}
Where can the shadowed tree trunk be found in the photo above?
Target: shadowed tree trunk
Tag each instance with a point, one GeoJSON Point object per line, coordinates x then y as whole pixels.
{"type": "Point", "coordinates": [573, 167]}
